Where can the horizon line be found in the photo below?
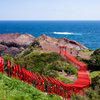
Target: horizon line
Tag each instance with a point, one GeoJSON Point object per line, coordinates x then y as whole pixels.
{"type": "Point", "coordinates": [49, 20]}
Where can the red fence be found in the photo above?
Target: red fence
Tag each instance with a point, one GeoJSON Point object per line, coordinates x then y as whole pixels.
{"type": "Point", "coordinates": [50, 85]}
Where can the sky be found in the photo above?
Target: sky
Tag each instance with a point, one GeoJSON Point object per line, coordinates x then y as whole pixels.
{"type": "Point", "coordinates": [49, 9]}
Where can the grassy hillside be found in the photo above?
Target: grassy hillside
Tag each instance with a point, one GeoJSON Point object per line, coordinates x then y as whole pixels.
{"type": "Point", "coordinates": [43, 62]}
{"type": "Point", "coordinates": [12, 89]}
{"type": "Point", "coordinates": [48, 63]}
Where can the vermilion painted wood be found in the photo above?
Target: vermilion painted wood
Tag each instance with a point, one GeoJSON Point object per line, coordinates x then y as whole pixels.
{"type": "Point", "coordinates": [83, 78]}
{"type": "Point", "coordinates": [19, 72]}
{"type": "Point", "coordinates": [11, 70]}
{"type": "Point", "coordinates": [52, 82]}
{"type": "Point", "coordinates": [16, 70]}
{"type": "Point", "coordinates": [8, 69]}
{"type": "Point", "coordinates": [42, 83]}
{"type": "Point", "coordinates": [47, 81]}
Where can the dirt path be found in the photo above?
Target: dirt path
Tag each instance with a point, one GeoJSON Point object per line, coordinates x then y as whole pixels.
{"type": "Point", "coordinates": [71, 77]}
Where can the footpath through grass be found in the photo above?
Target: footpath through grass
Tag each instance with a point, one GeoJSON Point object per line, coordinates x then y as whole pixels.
{"type": "Point", "coordinates": [12, 89]}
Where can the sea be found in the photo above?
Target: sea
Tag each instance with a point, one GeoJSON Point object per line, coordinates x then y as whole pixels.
{"type": "Point", "coordinates": [84, 32]}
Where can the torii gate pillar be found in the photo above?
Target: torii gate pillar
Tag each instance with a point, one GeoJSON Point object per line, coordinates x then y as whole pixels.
{"type": "Point", "coordinates": [63, 47]}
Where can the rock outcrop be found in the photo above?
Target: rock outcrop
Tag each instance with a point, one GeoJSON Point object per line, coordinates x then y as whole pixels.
{"type": "Point", "coordinates": [46, 40]}
{"type": "Point", "coordinates": [51, 44]}
{"type": "Point", "coordinates": [14, 43]}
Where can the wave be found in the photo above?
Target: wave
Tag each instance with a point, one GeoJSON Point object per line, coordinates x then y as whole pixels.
{"type": "Point", "coordinates": [62, 33]}
{"type": "Point", "coordinates": [67, 33]}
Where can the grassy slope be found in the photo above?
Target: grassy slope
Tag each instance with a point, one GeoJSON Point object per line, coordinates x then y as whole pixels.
{"type": "Point", "coordinates": [12, 89]}
{"type": "Point", "coordinates": [93, 93]}
{"type": "Point", "coordinates": [94, 74]}
{"type": "Point", "coordinates": [87, 51]}
{"type": "Point", "coordinates": [41, 62]}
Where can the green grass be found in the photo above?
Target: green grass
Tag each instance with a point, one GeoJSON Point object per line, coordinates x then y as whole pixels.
{"type": "Point", "coordinates": [12, 89]}
{"type": "Point", "coordinates": [64, 80]}
{"type": "Point", "coordinates": [84, 50]}
{"type": "Point", "coordinates": [93, 74]}
{"type": "Point", "coordinates": [89, 54]}
{"type": "Point", "coordinates": [87, 51]}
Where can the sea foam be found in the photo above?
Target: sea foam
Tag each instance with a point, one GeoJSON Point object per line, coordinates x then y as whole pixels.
{"type": "Point", "coordinates": [67, 33]}
{"type": "Point", "coordinates": [63, 33]}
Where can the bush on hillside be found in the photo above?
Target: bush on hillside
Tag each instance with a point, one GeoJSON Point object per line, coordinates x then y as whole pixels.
{"type": "Point", "coordinates": [97, 52]}
{"type": "Point", "coordinates": [94, 62]}
{"type": "Point", "coordinates": [93, 93]}
{"type": "Point", "coordinates": [36, 44]}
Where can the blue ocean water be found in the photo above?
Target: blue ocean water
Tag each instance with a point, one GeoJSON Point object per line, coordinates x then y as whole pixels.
{"type": "Point", "coordinates": [84, 32]}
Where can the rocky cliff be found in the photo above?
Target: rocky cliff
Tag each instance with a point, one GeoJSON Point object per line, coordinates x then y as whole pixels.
{"type": "Point", "coordinates": [14, 43]}
{"type": "Point", "coordinates": [49, 43]}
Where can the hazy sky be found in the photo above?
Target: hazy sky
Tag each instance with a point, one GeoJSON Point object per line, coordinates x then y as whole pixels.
{"type": "Point", "coordinates": [49, 9]}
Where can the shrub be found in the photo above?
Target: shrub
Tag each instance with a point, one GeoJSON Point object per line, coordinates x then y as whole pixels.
{"type": "Point", "coordinates": [94, 62]}
{"type": "Point", "coordinates": [97, 52]}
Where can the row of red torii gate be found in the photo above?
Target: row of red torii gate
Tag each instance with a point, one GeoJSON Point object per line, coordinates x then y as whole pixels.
{"type": "Point", "coordinates": [50, 85]}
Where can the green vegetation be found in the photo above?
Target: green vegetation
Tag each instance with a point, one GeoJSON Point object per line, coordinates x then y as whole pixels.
{"type": "Point", "coordinates": [48, 63]}
{"type": "Point", "coordinates": [87, 51]}
{"type": "Point", "coordinates": [45, 63]}
{"type": "Point", "coordinates": [94, 62]}
{"type": "Point", "coordinates": [84, 60]}
{"type": "Point", "coordinates": [94, 74]}
{"type": "Point", "coordinates": [64, 80]}
{"type": "Point", "coordinates": [84, 50]}
{"type": "Point", "coordinates": [93, 92]}
{"type": "Point", "coordinates": [41, 62]}
{"type": "Point", "coordinates": [12, 89]}
{"type": "Point", "coordinates": [90, 53]}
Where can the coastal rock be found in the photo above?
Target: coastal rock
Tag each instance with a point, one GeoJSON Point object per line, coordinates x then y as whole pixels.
{"type": "Point", "coordinates": [13, 43]}
{"type": "Point", "coordinates": [77, 45]}
{"type": "Point", "coordinates": [50, 43]}
{"type": "Point", "coordinates": [16, 40]}
{"type": "Point", "coordinates": [12, 51]}
{"type": "Point", "coordinates": [25, 40]}
{"type": "Point", "coordinates": [3, 48]}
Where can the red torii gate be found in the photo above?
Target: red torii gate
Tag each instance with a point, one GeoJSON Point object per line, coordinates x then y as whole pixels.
{"type": "Point", "coordinates": [47, 81]}
{"type": "Point", "coordinates": [1, 65]}
{"type": "Point", "coordinates": [42, 83]}
{"type": "Point", "coordinates": [63, 49]}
